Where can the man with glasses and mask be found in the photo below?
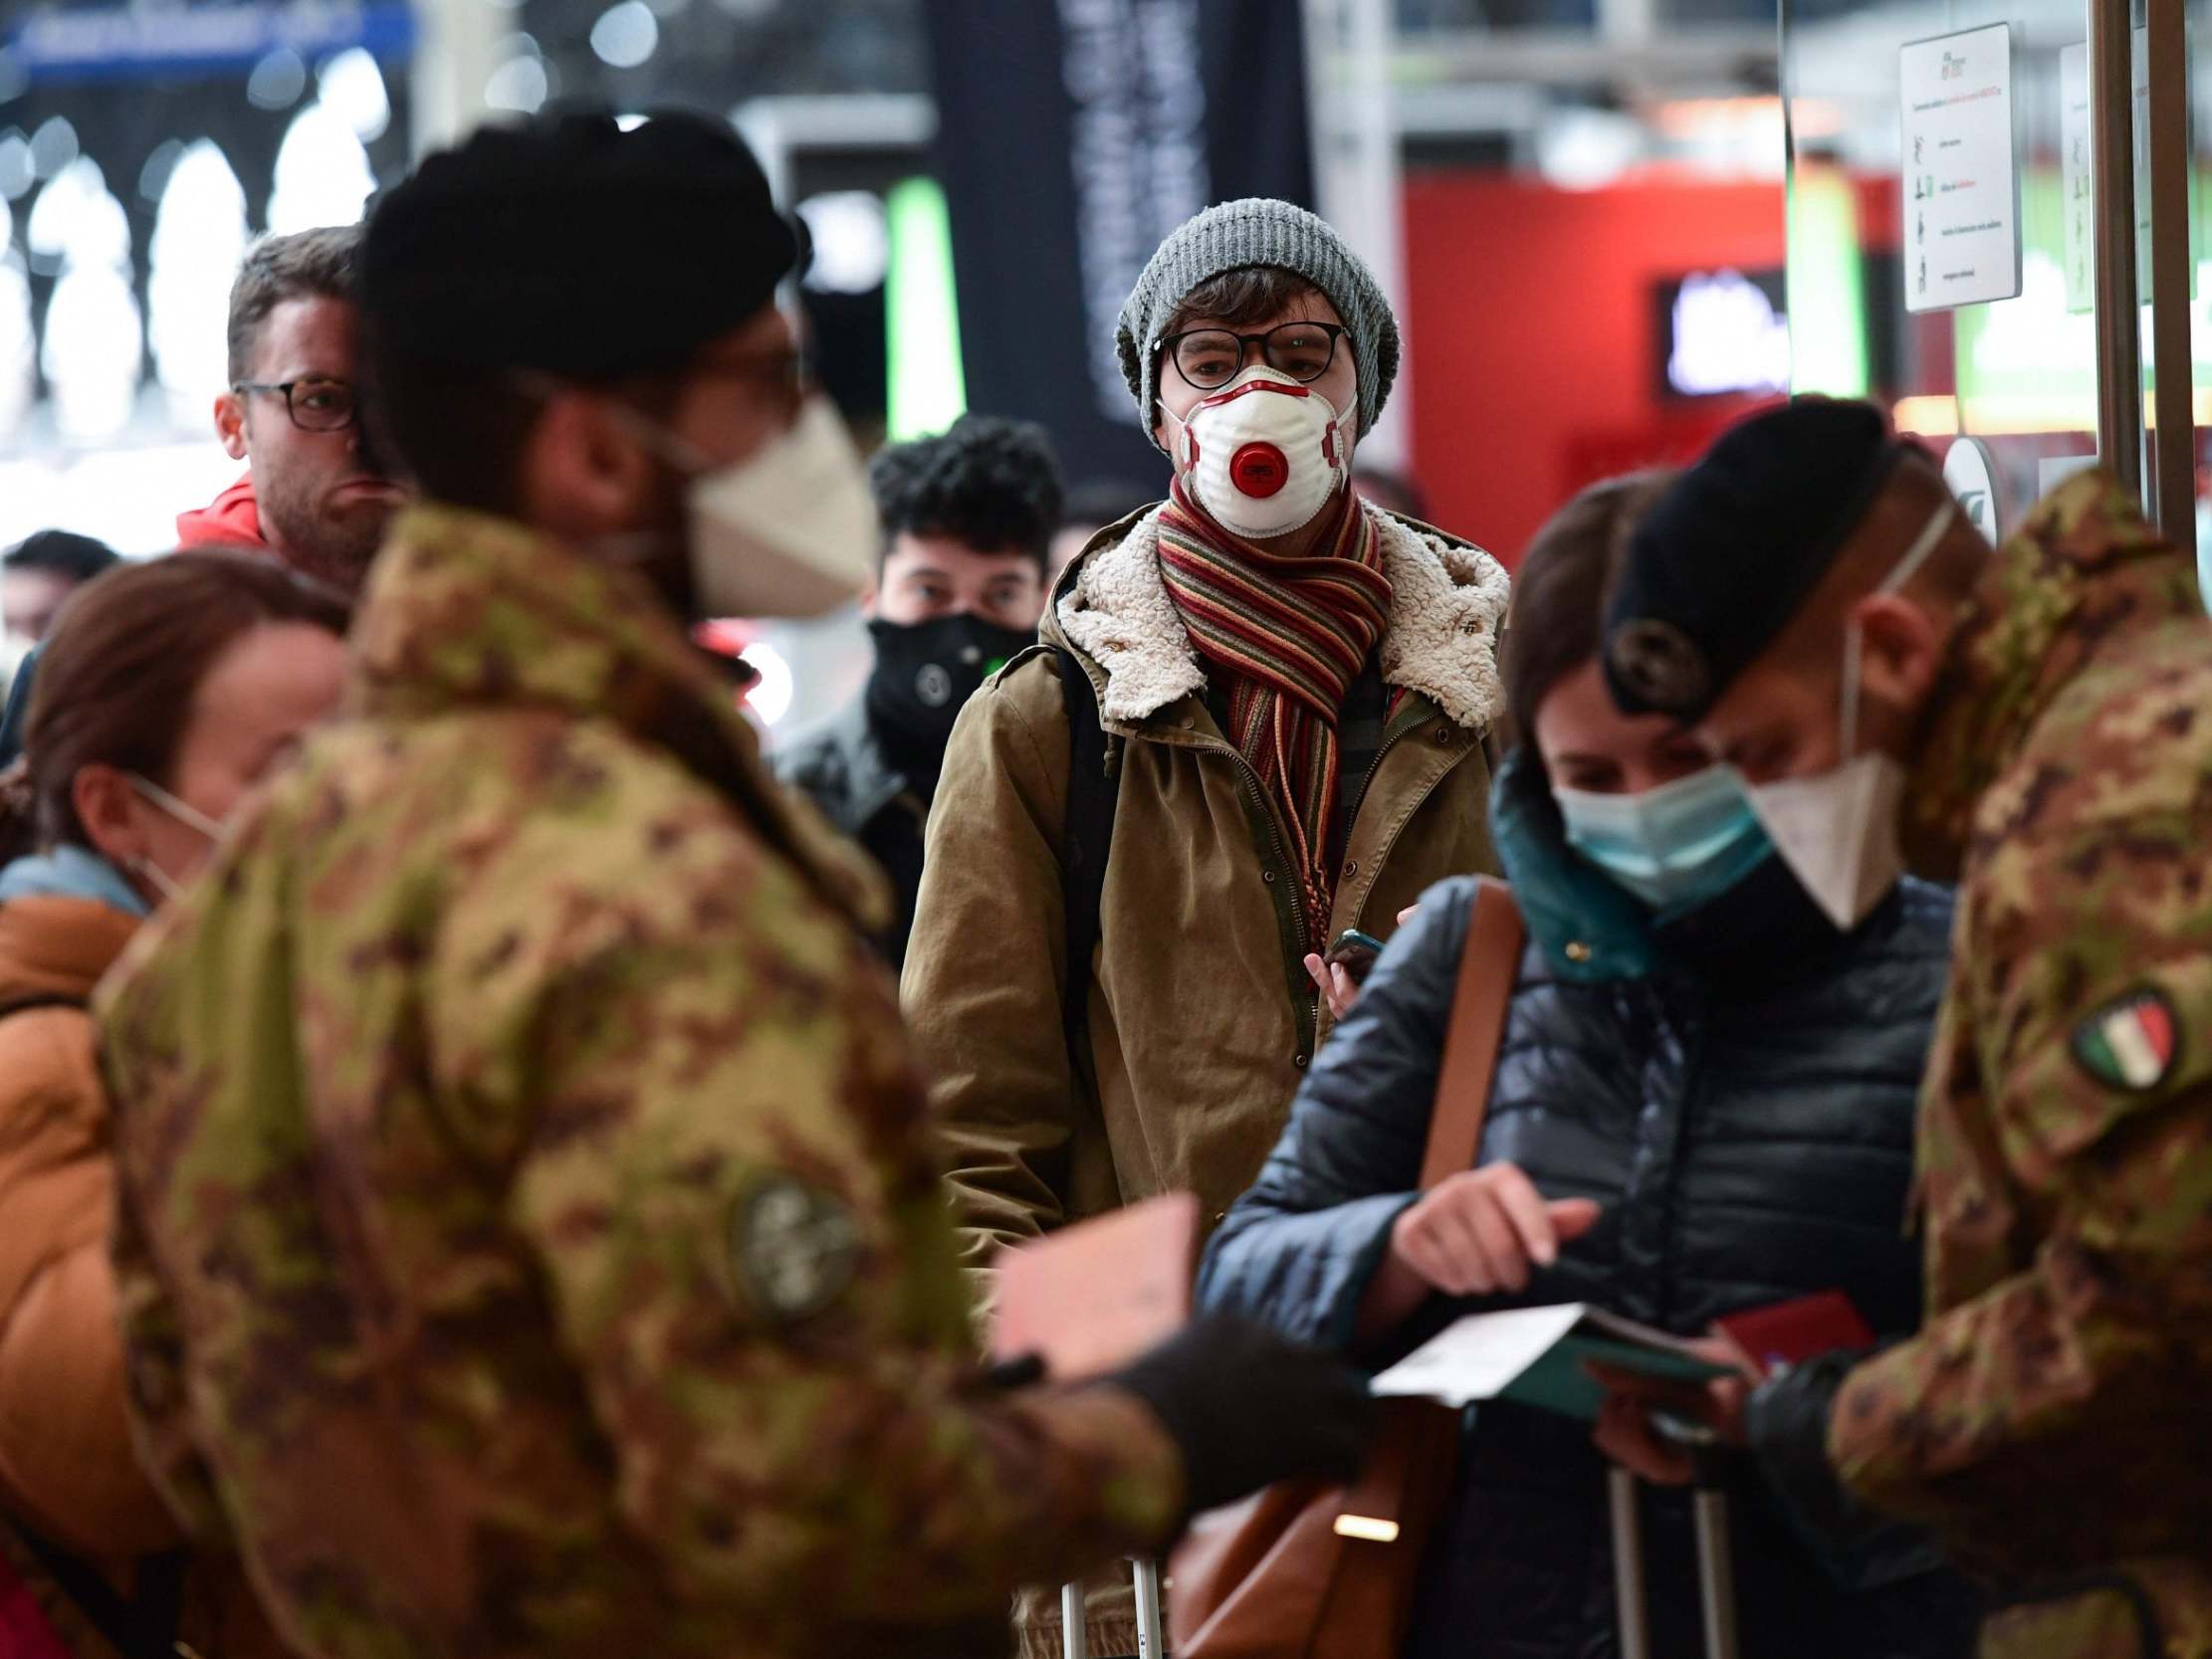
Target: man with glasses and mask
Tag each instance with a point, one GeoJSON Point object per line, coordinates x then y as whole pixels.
{"type": "Point", "coordinates": [1255, 725]}
{"type": "Point", "coordinates": [2037, 726]}
{"type": "Point", "coordinates": [316, 493]}
{"type": "Point", "coordinates": [533, 1239]}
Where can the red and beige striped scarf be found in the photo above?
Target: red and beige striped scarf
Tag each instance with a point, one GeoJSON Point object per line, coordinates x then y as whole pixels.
{"type": "Point", "coordinates": [1286, 638]}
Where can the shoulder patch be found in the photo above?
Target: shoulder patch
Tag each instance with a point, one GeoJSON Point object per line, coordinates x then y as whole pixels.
{"type": "Point", "coordinates": [794, 1248]}
{"type": "Point", "coordinates": [2132, 1043]}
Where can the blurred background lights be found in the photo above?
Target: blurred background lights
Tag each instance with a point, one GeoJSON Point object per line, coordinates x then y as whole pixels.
{"type": "Point", "coordinates": [19, 352]}
{"type": "Point", "coordinates": [16, 175]}
{"type": "Point", "coordinates": [92, 354]}
{"type": "Point", "coordinates": [154, 177]}
{"type": "Point", "coordinates": [352, 86]}
{"type": "Point", "coordinates": [53, 147]}
{"type": "Point", "coordinates": [626, 34]}
{"type": "Point", "coordinates": [518, 84]}
{"type": "Point", "coordinates": [852, 241]}
{"type": "Point", "coordinates": [771, 696]}
{"type": "Point", "coordinates": [323, 175]}
{"type": "Point", "coordinates": [75, 221]}
{"type": "Point", "coordinates": [199, 238]}
{"type": "Point", "coordinates": [277, 81]}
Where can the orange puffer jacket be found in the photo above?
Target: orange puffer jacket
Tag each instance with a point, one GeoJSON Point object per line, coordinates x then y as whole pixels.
{"type": "Point", "coordinates": [67, 1471]}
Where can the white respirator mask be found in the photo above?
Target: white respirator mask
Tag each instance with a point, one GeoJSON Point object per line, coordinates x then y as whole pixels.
{"type": "Point", "coordinates": [1264, 454]}
{"type": "Point", "coordinates": [790, 531]}
{"type": "Point", "coordinates": [1838, 830]}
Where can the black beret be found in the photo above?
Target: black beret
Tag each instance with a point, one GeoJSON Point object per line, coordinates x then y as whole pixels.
{"type": "Point", "coordinates": [570, 246]}
{"type": "Point", "coordinates": [1732, 550]}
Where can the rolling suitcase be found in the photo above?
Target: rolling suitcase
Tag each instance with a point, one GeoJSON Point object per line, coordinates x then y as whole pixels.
{"type": "Point", "coordinates": [1716, 1578]}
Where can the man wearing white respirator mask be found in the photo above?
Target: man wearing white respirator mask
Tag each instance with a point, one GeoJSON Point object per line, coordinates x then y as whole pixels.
{"type": "Point", "coordinates": [532, 1207]}
{"type": "Point", "coordinates": [1255, 725]}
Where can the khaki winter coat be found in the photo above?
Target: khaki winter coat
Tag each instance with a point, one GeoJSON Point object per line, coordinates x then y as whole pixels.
{"type": "Point", "coordinates": [1202, 1019]}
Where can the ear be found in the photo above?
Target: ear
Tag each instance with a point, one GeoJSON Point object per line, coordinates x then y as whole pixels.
{"type": "Point", "coordinates": [584, 473]}
{"type": "Point", "coordinates": [230, 424]}
{"type": "Point", "coordinates": [1900, 652]}
{"type": "Point", "coordinates": [868, 597]}
{"type": "Point", "coordinates": [111, 813]}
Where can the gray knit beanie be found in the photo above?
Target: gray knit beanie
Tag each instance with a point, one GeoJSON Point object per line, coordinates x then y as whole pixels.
{"type": "Point", "coordinates": [1236, 236]}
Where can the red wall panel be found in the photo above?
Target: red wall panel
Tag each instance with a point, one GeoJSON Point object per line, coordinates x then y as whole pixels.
{"type": "Point", "coordinates": [1532, 333]}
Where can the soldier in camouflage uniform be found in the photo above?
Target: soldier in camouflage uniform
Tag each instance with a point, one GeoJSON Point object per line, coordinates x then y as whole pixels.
{"type": "Point", "coordinates": [2038, 724]}
{"type": "Point", "coordinates": [533, 1241]}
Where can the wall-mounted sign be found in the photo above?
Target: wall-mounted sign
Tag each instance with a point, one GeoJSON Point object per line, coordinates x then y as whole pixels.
{"type": "Point", "coordinates": [1967, 471]}
{"type": "Point", "coordinates": [56, 44]}
{"type": "Point", "coordinates": [1961, 177]}
{"type": "Point", "coordinates": [1723, 332]}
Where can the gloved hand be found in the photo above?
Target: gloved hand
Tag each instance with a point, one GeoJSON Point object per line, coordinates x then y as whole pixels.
{"type": "Point", "coordinates": [1248, 1408]}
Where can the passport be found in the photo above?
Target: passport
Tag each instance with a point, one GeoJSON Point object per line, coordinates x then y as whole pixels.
{"type": "Point", "coordinates": [1089, 1298]}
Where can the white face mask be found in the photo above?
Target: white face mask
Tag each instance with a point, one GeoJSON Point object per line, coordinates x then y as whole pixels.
{"type": "Point", "coordinates": [1264, 454]}
{"type": "Point", "coordinates": [1838, 830]}
{"type": "Point", "coordinates": [790, 531]}
{"type": "Point", "coordinates": [185, 813]}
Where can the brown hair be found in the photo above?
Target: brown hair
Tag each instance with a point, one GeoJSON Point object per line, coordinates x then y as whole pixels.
{"type": "Point", "coordinates": [1241, 297]}
{"type": "Point", "coordinates": [1560, 590]}
{"type": "Point", "coordinates": [117, 675]}
{"type": "Point", "coordinates": [311, 265]}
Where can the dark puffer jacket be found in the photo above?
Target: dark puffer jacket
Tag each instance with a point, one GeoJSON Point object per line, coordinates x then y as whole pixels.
{"type": "Point", "coordinates": [1743, 1109]}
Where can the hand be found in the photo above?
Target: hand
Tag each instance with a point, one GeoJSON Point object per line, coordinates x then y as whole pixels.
{"type": "Point", "coordinates": [1248, 1407]}
{"type": "Point", "coordinates": [1624, 1433]}
{"type": "Point", "coordinates": [1481, 1231]}
{"type": "Point", "coordinates": [1335, 984]}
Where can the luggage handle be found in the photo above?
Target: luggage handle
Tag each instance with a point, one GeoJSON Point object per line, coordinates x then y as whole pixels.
{"type": "Point", "coordinates": [1716, 1578]}
{"type": "Point", "coordinates": [1151, 1628]}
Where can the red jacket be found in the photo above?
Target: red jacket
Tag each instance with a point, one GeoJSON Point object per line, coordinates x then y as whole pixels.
{"type": "Point", "coordinates": [231, 519]}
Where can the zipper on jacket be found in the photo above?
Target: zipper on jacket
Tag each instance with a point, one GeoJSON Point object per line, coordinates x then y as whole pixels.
{"type": "Point", "coordinates": [1407, 722]}
{"type": "Point", "coordinates": [1290, 908]}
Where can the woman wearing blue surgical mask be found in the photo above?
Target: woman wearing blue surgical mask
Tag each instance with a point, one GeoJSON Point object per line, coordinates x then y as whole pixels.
{"type": "Point", "coordinates": [166, 691]}
{"type": "Point", "coordinates": [1703, 1105]}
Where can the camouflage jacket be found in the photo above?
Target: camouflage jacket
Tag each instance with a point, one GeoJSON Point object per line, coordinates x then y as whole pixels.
{"type": "Point", "coordinates": [2049, 1418]}
{"type": "Point", "coordinates": [533, 1241]}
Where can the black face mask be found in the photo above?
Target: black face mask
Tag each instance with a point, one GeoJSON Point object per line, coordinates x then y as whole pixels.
{"type": "Point", "coordinates": [926, 670]}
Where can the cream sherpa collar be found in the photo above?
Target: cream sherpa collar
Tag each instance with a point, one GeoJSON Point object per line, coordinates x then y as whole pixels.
{"type": "Point", "coordinates": [1448, 607]}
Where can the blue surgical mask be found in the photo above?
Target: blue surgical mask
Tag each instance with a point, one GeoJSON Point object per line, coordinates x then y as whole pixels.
{"type": "Point", "coordinates": [1677, 847]}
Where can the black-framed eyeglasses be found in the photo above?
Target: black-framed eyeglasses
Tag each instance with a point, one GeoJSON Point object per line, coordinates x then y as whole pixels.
{"type": "Point", "coordinates": [315, 404]}
{"type": "Point", "coordinates": [1209, 358]}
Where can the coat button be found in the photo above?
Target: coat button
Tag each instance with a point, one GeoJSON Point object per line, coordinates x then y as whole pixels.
{"type": "Point", "coordinates": [1577, 951]}
{"type": "Point", "coordinates": [1351, 869]}
{"type": "Point", "coordinates": [1445, 735]}
{"type": "Point", "coordinates": [1219, 1216]}
{"type": "Point", "coordinates": [1299, 1061]}
{"type": "Point", "coordinates": [1267, 875]}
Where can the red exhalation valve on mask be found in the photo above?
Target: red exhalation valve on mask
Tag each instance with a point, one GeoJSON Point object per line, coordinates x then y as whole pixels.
{"type": "Point", "coordinates": [1258, 470]}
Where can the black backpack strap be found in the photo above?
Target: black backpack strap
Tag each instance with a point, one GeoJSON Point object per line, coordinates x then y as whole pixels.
{"type": "Point", "coordinates": [1087, 834]}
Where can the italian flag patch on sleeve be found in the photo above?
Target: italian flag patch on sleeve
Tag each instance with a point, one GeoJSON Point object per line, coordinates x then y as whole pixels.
{"type": "Point", "coordinates": [2131, 1043]}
